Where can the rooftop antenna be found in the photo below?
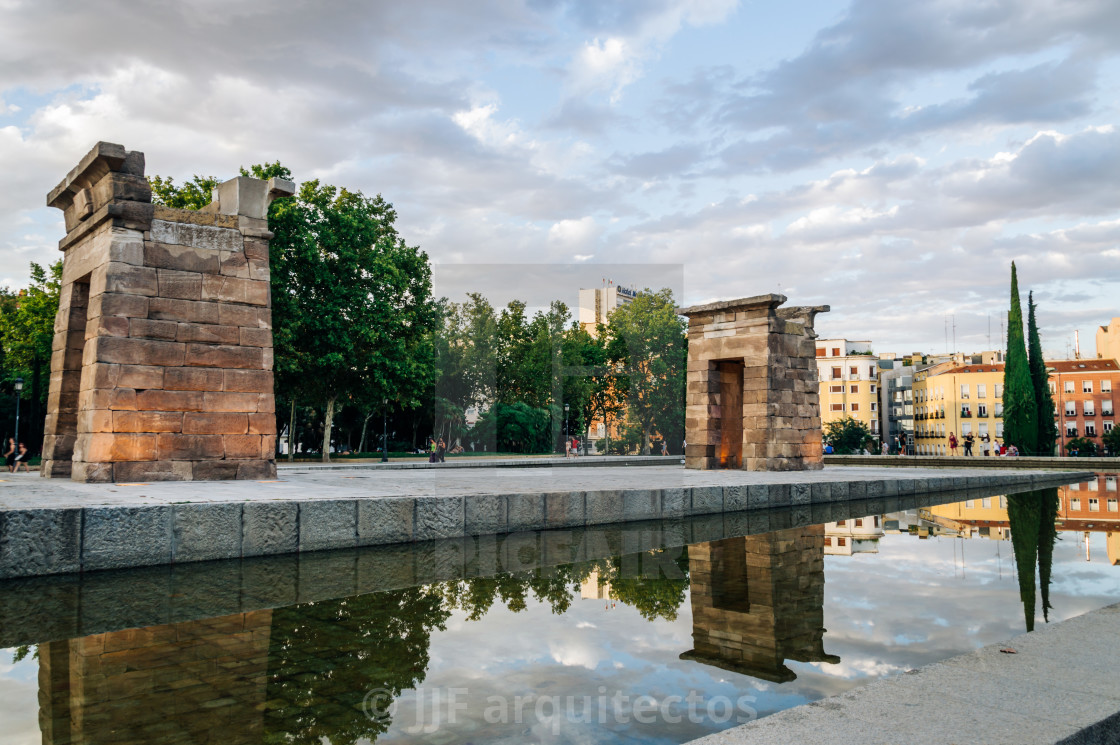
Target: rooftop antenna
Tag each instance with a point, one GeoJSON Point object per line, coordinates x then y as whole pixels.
{"type": "Point", "coordinates": [989, 330]}
{"type": "Point", "coordinates": [946, 324]}
{"type": "Point", "coordinates": [954, 332]}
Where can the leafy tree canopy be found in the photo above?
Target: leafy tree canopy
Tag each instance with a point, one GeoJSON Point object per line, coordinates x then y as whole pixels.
{"type": "Point", "coordinates": [847, 435]}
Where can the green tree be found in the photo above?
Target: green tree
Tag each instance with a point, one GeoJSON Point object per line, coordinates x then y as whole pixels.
{"type": "Point", "coordinates": [1047, 537]}
{"type": "Point", "coordinates": [192, 195]}
{"type": "Point", "coordinates": [26, 336]}
{"type": "Point", "coordinates": [353, 316]}
{"type": "Point", "coordinates": [1020, 427]}
{"type": "Point", "coordinates": [847, 435]}
{"type": "Point", "coordinates": [1044, 402]}
{"type": "Point", "coordinates": [1024, 512]}
{"type": "Point", "coordinates": [649, 339]}
{"type": "Point", "coordinates": [1111, 441]}
{"type": "Point", "coordinates": [1083, 446]}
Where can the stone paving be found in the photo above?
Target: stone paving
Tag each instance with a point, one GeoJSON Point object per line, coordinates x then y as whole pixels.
{"type": "Point", "coordinates": [54, 527]}
{"type": "Point", "coordinates": [1059, 686]}
{"type": "Point", "coordinates": [27, 491]}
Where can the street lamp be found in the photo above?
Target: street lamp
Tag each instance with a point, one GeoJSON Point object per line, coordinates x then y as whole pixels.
{"type": "Point", "coordinates": [18, 385]}
{"type": "Point", "coordinates": [384, 430]}
{"type": "Point", "coordinates": [565, 427]}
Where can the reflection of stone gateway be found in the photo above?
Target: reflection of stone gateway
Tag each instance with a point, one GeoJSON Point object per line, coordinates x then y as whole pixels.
{"type": "Point", "coordinates": [162, 361]}
{"type": "Point", "coordinates": [758, 601]}
{"type": "Point", "coordinates": [753, 399]}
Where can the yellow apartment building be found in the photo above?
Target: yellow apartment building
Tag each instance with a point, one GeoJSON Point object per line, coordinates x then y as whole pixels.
{"type": "Point", "coordinates": [961, 399]}
{"type": "Point", "coordinates": [848, 382]}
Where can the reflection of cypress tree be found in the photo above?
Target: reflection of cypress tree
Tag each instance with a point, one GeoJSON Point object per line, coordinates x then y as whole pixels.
{"type": "Point", "coordinates": [1023, 511]}
{"type": "Point", "coordinates": [1047, 536]}
{"type": "Point", "coordinates": [324, 657]}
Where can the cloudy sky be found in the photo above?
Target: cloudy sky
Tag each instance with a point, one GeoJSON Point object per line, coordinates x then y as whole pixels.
{"type": "Point", "coordinates": [889, 159]}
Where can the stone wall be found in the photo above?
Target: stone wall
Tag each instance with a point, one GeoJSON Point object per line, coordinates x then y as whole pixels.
{"type": "Point", "coordinates": [162, 361]}
{"type": "Point", "coordinates": [759, 601]}
{"type": "Point", "coordinates": [752, 400]}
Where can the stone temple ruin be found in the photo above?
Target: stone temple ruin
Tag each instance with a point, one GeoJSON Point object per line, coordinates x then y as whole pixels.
{"type": "Point", "coordinates": [752, 401]}
{"type": "Point", "coordinates": [162, 359]}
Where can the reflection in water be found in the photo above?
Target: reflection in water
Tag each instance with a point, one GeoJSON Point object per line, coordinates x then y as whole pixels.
{"type": "Point", "coordinates": [758, 601]}
{"type": "Point", "coordinates": [300, 673]}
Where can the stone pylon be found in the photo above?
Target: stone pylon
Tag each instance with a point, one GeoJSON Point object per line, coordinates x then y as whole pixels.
{"type": "Point", "coordinates": [752, 400]}
{"type": "Point", "coordinates": [162, 361]}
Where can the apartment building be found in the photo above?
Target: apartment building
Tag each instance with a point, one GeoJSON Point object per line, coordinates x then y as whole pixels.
{"type": "Point", "coordinates": [962, 399]}
{"type": "Point", "coordinates": [1084, 397]}
{"type": "Point", "coordinates": [849, 383]}
{"type": "Point", "coordinates": [896, 404]}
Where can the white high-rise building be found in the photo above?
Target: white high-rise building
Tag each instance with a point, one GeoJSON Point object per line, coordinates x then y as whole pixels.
{"type": "Point", "coordinates": [597, 303]}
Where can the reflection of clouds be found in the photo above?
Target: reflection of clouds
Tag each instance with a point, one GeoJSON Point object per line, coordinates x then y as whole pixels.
{"type": "Point", "coordinates": [19, 691]}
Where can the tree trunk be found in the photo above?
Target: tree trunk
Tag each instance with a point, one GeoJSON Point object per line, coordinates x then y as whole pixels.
{"type": "Point", "coordinates": [645, 439]}
{"type": "Point", "coordinates": [328, 420]}
{"type": "Point", "coordinates": [292, 433]}
{"type": "Point", "coordinates": [365, 423]}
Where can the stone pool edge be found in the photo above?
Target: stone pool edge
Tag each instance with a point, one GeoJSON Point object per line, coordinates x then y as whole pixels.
{"type": "Point", "coordinates": [1058, 686]}
{"type": "Point", "coordinates": [45, 541]}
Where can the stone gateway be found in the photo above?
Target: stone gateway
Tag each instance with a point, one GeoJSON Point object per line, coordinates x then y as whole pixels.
{"type": "Point", "coordinates": [162, 361]}
{"type": "Point", "coordinates": [752, 400]}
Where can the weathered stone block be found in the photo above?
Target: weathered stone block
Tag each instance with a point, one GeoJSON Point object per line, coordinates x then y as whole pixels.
{"type": "Point", "coordinates": [253, 337]}
{"type": "Point", "coordinates": [190, 447]}
{"type": "Point", "coordinates": [135, 351]}
{"type": "Point", "coordinates": [208, 333]}
{"type": "Point", "coordinates": [146, 328]}
{"type": "Point", "coordinates": [439, 517]}
{"type": "Point", "coordinates": [203, 532]}
{"type": "Point", "coordinates": [242, 446]}
{"type": "Point", "coordinates": [211, 423]}
{"type": "Point", "coordinates": [104, 447]}
{"type": "Point", "coordinates": [484, 514]}
{"type": "Point", "coordinates": [328, 523]}
{"type": "Point", "coordinates": [182, 258]}
{"type": "Point", "coordinates": [261, 424]}
{"type": "Point", "coordinates": [235, 290]}
{"type": "Point", "coordinates": [203, 355]}
{"type": "Point", "coordinates": [248, 381]}
{"type": "Point", "coordinates": [269, 528]}
{"type": "Point", "coordinates": [187, 311]}
{"type": "Point", "coordinates": [139, 377]}
{"type": "Point", "coordinates": [114, 537]}
{"type": "Point", "coordinates": [525, 512]}
{"type": "Point", "coordinates": [161, 470]}
{"type": "Point", "coordinates": [641, 504]}
{"type": "Point", "coordinates": [155, 400]}
{"type": "Point", "coordinates": [147, 421]}
{"type": "Point", "coordinates": [34, 542]}
{"type": "Point", "coordinates": [385, 520]}
{"type": "Point", "coordinates": [215, 470]}
{"type": "Point", "coordinates": [224, 401]}
{"type": "Point", "coordinates": [181, 285]}
{"type": "Point", "coordinates": [256, 469]}
{"type": "Point", "coordinates": [244, 316]}
{"type": "Point", "coordinates": [193, 379]}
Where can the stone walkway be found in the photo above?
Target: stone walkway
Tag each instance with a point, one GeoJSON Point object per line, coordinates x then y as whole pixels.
{"type": "Point", "coordinates": [1059, 686]}
{"type": "Point", "coordinates": [27, 491]}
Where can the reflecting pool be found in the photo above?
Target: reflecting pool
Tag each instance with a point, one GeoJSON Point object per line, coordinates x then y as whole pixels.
{"type": "Point", "coordinates": [646, 633]}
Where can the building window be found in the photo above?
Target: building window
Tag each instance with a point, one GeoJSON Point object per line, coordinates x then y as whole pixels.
{"type": "Point", "coordinates": [853, 389]}
{"type": "Point", "coordinates": [821, 352]}
{"type": "Point", "coordinates": [842, 523]}
{"type": "Point", "coordinates": [1113, 506]}
{"type": "Point", "coordinates": [1086, 386]}
{"type": "Point", "coordinates": [836, 389]}
{"type": "Point", "coordinates": [854, 371]}
{"type": "Point", "coordinates": [966, 428]}
{"type": "Point", "coordinates": [999, 390]}
{"type": "Point", "coordinates": [982, 429]}
{"type": "Point", "coordinates": [1090, 409]}
{"type": "Point", "coordinates": [981, 390]}
{"type": "Point", "coordinates": [982, 410]}
{"type": "Point", "coordinates": [836, 407]}
{"type": "Point", "coordinates": [1003, 502]}
{"type": "Point", "coordinates": [1071, 408]}
{"type": "Point", "coordinates": [874, 407]}
{"type": "Point", "coordinates": [964, 390]}
{"type": "Point", "coordinates": [827, 541]}
{"type": "Point", "coordinates": [841, 541]}
{"type": "Point", "coordinates": [1110, 483]}
{"type": "Point", "coordinates": [1107, 427]}
{"type": "Point", "coordinates": [1075, 487]}
{"type": "Point", "coordinates": [872, 388]}
{"type": "Point", "coordinates": [1071, 429]}
{"type": "Point", "coordinates": [999, 429]}
{"type": "Point", "coordinates": [836, 374]}
{"type": "Point", "coordinates": [859, 522]}
{"type": "Point", "coordinates": [836, 351]}
{"type": "Point", "coordinates": [1075, 505]}
{"type": "Point", "coordinates": [1106, 386]}
{"type": "Point", "coordinates": [1094, 504]}
{"type": "Point", "coordinates": [855, 406]}
{"type": "Point", "coordinates": [969, 504]}
{"type": "Point", "coordinates": [1092, 485]}
{"type": "Point", "coordinates": [1053, 388]}
{"type": "Point", "coordinates": [999, 410]}
{"type": "Point", "coordinates": [1090, 429]}
{"type": "Point", "coordinates": [1106, 407]}
{"type": "Point", "coordinates": [1069, 386]}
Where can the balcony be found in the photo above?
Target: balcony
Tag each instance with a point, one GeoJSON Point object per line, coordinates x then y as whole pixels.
{"type": "Point", "coordinates": [966, 414]}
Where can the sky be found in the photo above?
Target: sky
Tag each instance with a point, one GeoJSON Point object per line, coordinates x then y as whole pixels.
{"type": "Point", "coordinates": [888, 159]}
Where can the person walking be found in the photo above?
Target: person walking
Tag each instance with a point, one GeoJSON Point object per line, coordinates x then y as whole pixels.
{"type": "Point", "coordinates": [432, 449]}
{"type": "Point", "coordinates": [10, 454]}
{"type": "Point", "coordinates": [441, 451]}
{"type": "Point", "coordinates": [952, 443]}
{"type": "Point", "coordinates": [968, 440]}
{"type": "Point", "coordinates": [22, 457]}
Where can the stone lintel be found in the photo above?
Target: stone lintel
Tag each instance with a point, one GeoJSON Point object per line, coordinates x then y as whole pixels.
{"type": "Point", "coordinates": [770, 300]}
{"type": "Point", "coordinates": [250, 197]}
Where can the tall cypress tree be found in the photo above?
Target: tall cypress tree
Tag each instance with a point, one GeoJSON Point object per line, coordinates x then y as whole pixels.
{"type": "Point", "coordinates": [1043, 401]}
{"type": "Point", "coordinates": [1020, 417]}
